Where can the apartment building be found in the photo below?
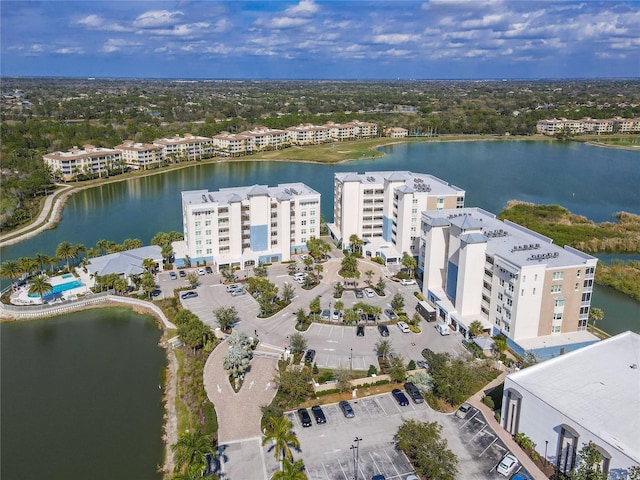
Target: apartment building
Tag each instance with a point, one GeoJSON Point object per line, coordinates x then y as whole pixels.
{"type": "Point", "coordinates": [384, 208]}
{"type": "Point", "coordinates": [188, 147]}
{"type": "Point", "coordinates": [589, 126]}
{"type": "Point", "coordinates": [591, 395]}
{"type": "Point", "coordinates": [140, 156]}
{"type": "Point", "coordinates": [308, 134]}
{"type": "Point", "coordinates": [89, 160]}
{"type": "Point", "coordinates": [244, 226]}
{"type": "Point", "coordinates": [511, 279]}
{"type": "Point", "coordinates": [351, 130]}
{"type": "Point", "coordinates": [397, 132]}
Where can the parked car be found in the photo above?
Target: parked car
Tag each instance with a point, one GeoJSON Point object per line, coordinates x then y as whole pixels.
{"type": "Point", "coordinates": [378, 477]}
{"type": "Point", "coordinates": [326, 314]}
{"type": "Point", "coordinates": [360, 331]}
{"type": "Point", "coordinates": [336, 315]}
{"type": "Point", "coordinates": [189, 294]}
{"type": "Point", "coordinates": [201, 271]}
{"type": "Point", "coordinates": [318, 414]}
{"type": "Point", "coordinates": [305, 418]}
{"type": "Point", "coordinates": [413, 392]}
{"type": "Point", "coordinates": [384, 330]}
{"type": "Point", "coordinates": [463, 410]}
{"type": "Point", "coordinates": [156, 292]}
{"type": "Point", "coordinates": [309, 356]}
{"type": "Point", "coordinates": [507, 465]}
{"type": "Point", "coordinates": [412, 477]}
{"type": "Point", "coordinates": [183, 274]}
{"type": "Point", "coordinates": [391, 314]}
{"type": "Point", "coordinates": [346, 408]}
{"type": "Point", "coordinates": [232, 287]}
{"type": "Point", "coordinates": [400, 397]}
{"type": "Point", "coordinates": [369, 293]}
{"type": "Point", "coordinates": [521, 476]}
{"type": "Point", "coordinates": [238, 291]}
{"type": "Point", "coordinates": [404, 328]}
{"type": "Point", "coordinates": [443, 329]}
{"type": "Point", "coordinates": [408, 281]}
{"type": "Point", "coordinates": [172, 275]}
{"type": "Point", "coordinates": [359, 293]}
{"type": "Point", "coordinates": [208, 269]}
{"type": "Point", "coordinates": [422, 364]}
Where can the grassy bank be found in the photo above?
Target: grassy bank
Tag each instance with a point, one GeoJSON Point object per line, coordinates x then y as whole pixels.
{"type": "Point", "coordinates": [565, 228]}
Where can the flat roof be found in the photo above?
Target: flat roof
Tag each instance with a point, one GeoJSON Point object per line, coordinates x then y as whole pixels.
{"type": "Point", "coordinates": [416, 182]}
{"type": "Point", "coordinates": [597, 387]}
{"type": "Point", "coordinates": [238, 194]}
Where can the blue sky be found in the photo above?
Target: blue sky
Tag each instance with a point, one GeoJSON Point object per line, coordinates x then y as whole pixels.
{"type": "Point", "coordinates": [312, 39]}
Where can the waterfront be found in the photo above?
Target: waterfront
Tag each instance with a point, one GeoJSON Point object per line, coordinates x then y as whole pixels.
{"type": "Point", "coordinates": [589, 181]}
{"type": "Point", "coordinates": [80, 397]}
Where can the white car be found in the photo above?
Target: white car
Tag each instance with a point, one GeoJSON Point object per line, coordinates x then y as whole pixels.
{"type": "Point", "coordinates": [507, 465]}
{"type": "Point", "coordinates": [404, 328]}
{"type": "Point", "coordinates": [369, 293]}
{"type": "Point", "coordinates": [201, 271]}
{"type": "Point", "coordinates": [408, 281]}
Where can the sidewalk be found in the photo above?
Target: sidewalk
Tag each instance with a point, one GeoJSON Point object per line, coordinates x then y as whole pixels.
{"type": "Point", "coordinates": [504, 436]}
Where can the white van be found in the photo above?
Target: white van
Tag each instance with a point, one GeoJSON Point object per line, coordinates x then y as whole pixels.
{"type": "Point", "coordinates": [404, 328]}
{"type": "Point", "coordinates": [443, 328]}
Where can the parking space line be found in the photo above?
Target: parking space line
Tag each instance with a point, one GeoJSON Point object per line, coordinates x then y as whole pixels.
{"type": "Point", "coordinates": [381, 408]}
{"type": "Point", "coordinates": [488, 446]}
{"type": "Point", "coordinates": [346, 477]}
{"type": "Point", "coordinates": [472, 417]}
{"type": "Point", "coordinates": [479, 431]}
{"type": "Point", "coordinates": [391, 462]}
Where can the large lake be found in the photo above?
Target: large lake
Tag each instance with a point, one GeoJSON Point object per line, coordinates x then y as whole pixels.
{"type": "Point", "coordinates": [107, 360]}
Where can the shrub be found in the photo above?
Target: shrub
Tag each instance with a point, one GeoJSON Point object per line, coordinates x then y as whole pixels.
{"type": "Point", "coordinates": [411, 365]}
{"type": "Point", "coordinates": [498, 417]}
{"type": "Point", "coordinates": [372, 371]}
{"type": "Point", "coordinates": [488, 401]}
{"type": "Point", "coordinates": [379, 260]}
{"type": "Point", "coordinates": [325, 377]}
{"type": "Point", "coordinates": [327, 392]}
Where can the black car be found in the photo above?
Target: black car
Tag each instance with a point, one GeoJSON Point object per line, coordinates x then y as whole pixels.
{"type": "Point", "coordinates": [346, 408]}
{"type": "Point", "coordinates": [413, 392]}
{"type": "Point", "coordinates": [190, 294]}
{"type": "Point", "coordinates": [359, 293]}
{"type": "Point", "coordinates": [208, 269]}
{"type": "Point", "coordinates": [360, 331]}
{"type": "Point", "coordinates": [384, 331]}
{"type": "Point", "coordinates": [309, 356]}
{"type": "Point", "coordinates": [183, 274]}
{"type": "Point", "coordinates": [318, 414]}
{"type": "Point", "coordinates": [305, 418]}
{"type": "Point", "coordinates": [156, 292]}
{"type": "Point", "coordinates": [400, 397]}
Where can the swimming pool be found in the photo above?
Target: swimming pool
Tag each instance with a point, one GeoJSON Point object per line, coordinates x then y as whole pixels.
{"type": "Point", "coordinates": [63, 287]}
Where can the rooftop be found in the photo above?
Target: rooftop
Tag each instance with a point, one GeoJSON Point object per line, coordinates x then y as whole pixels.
{"type": "Point", "coordinates": [413, 182]}
{"type": "Point", "coordinates": [238, 194]}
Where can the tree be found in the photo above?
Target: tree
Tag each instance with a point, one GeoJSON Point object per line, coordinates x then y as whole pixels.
{"type": "Point", "coordinates": [409, 263]}
{"type": "Point", "coordinates": [298, 343]}
{"type": "Point", "coordinates": [288, 292]}
{"type": "Point", "coordinates": [66, 251]}
{"type": "Point", "coordinates": [383, 348]}
{"type": "Point", "coordinates": [314, 306]}
{"type": "Point", "coordinates": [349, 267]}
{"type": "Point", "coordinates": [40, 286]}
{"type": "Point", "coordinates": [318, 267]}
{"type": "Point", "coordinates": [355, 243]}
{"type": "Point", "coordinates": [190, 451]}
{"type": "Point", "coordinates": [476, 328]}
{"type": "Point", "coordinates": [500, 343]}
{"type": "Point", "coordinates": [228, 274]}
{"type": "Point", "coordinates": [453, 383]}
{"type": "Point", "coordinates": [148, 264]}
{"type": "Point", "coordinates": [43, 261]}
{"type": "Point", "coordinates": [397, 302]}
{"type": "Point", "coordinates": [308, 261]}
{"type": "Point", "coordinates": [279, 431]}
{"type": "Point", "coordinates": [301, 316]}
{"type": "Point", "coordinates": [10, 269]}
{"type": "Point", "coordinates": [28, 265]}
{"type": "Point", "coordinates": [148, 283]}
{"type": "Point", "coordinates": [337, 290]}
{"type": "Point", "coordinates": [397, 369]}
{"type": "Point", "coordinates": [235, 361]}
{"type": "Point", "coordinates": [343, 379]}
{"type": "Point", "coordinates": [589, 464]}
{"type": "Point", "coordinates": [225, 316]}
{"type": "Point", "coordinates": [596, 314]}
{"type": "Point", "coordinates": [292, 268]}
{"type": "Point", "coordinates": [260, 270]}
{"type": "Point", "coordinates": [295, 384]}
{"type": "Point", "coordinates": [192, 278]}
{"type": "Point", "coordinates": [369, 274]}
{"type": "Point", "coordinates": [427, 450]}
{"type": "Point", "coordinates": [290, 471]}
{"type": "Point", "coordinates": [339, 305]}
{"type": "Point", "coordinates": [380, 286]}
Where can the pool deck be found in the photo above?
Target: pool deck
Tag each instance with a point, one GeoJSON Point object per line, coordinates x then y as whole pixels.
{"type": "Point", "coordinates": [21, 295]}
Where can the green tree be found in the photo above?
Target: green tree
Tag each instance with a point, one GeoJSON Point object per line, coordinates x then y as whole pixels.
{"type": "Point", "coordinates": [131, 243]}
{"type": "Point", "coordinates": [66, 251]}
{"type": "Point", "coordinates": [298, 343]}
{"type": "Point", "coordinates": [148, 264]}
{"type": "Point", "coordinates": [235, 361]}
{"type": "Point", "coordinates": [589, 464]}
{"type": "Point", "coordinates": [314, 306]}
{"type": "Point", "coordinates": [596, 314]}
{"type": "Point", "coordinates": [318, 268]}
{"type": "Point", "coordinates": [260, 270]}
{"type": "Point", "coordinates": [279, 431]}
{"type": "Point", "coordinates": [409, 263]}
{"type": "Point", "coordinates": [339, 305]}
{"type": "Point", "coordinates": [397, 369]}
{"type": "Point", "coordinates": [369, 274]}
{"type": "Point", "coordinates": [290, 471]}
{"type": "Point", "coordinates": [292, 268]}
{"type": "Point", "coordinates": [380, 286]}
{"type": "Point", "coordinates": [190, 451]}
{"type": "Point", "coordinates": [338, 289]}
{"type": "Point", "coordinates": [225, 316]}
{"type": "Point", "coordinates": [40, 286]}
{"type": "Point", "coordinates": [475, 328]}
{"type": "Point", "coordinates": [500, 343]}
{"type": "Point", "coordinates": [194, 333]}
{"type": "Point", "coordinates": [11, 269]}
{"type": "Point", "coordinates": [383, 348]}
{"type": "Point", "coordinates": [288, 292]}
{"type": "Point", "coordinates": [427, 450]}
{"type": "Point", "coordinates": [228, 274]}
{"type": "Point", "coordinates": [301, 316]}
{"type": "Point", "coordinates": [343, 379]}
{"type": "Point", "coordinates": [148, 283]}
{"type": "Point", "coordinates": [349, 267]}
{"type": "Point", "coordinates": [192, 279]}
{"type": "Point", "coordinates": [294, 384]}
{"type": "Point", "coordinates": [355, 243]}
{"type": "Point", "coordinates": [453, 383]}
{"type": "Point", "coordinates": [397, 302]}
{"type": "Point", "coordinates": [28, 265]}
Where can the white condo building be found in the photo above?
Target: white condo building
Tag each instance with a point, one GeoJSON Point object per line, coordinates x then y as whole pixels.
{"type": "Point", "coordinates": [188, 147]}
{"type": "Point", "coordinates": [589, 395]}
{"type": "Point", "coordinates": [245, 226]}
{"type": "Point", "coordinates": [384, 209]}
{"type": "Point", "coordinates": [88, 160]}
{"type": "Point", "coordinates": [140, 156]}
{"type": "Point", "coordinates": [511, 279]}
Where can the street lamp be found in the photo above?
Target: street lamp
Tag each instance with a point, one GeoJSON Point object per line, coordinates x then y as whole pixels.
{"type": "Point", "coordinates": [351, 360]}
{"type": "Point", "coordinates": [546, 444]}
{"type": "Point", "coordinates": [356, 460]}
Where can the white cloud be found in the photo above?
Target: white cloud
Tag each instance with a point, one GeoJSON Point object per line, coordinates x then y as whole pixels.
{"type": "Point", "coordinates": [395, 38]}
{"type": "Point", "coordinates": [287, 22]}
{"type": "Point", "coordinates": [96, 22]}
{"type": "Point", "coordinates": [305, 8]}
{"type": "Point", "coordinates": [92, 21]}
{"type": "Point", "coordinates": [70, 50]}
{"type": "Point", "coordinates": [222, 26]}
{"type": "Point", "coordinates": [117, 44]}
{"type": "Point", "coordinates": [157, 19]}
{"type": "Point", "coordinates": [185, 30]}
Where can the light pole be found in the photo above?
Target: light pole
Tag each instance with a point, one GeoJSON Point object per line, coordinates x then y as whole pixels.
{"type": "Point", "coordinates": [546, 444]}
{"type": "Point", "coordinates": [357, 452]}
{"type": "Point", "coordinates": [351, 360]}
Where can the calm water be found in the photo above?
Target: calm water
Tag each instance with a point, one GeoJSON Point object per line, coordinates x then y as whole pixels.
{"type": "Point", "coordinates": [80, 397]}
{"type": "Point", "coordinates": [80, 394]}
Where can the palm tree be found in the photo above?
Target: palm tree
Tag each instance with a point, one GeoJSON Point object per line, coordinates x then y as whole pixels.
{"type": "Point", "coordinates": [66, 251]}
{"type": "Point", "coordinates": [291, 471]}
{"type": "Point", "coordinates": [93, 252]}
{"type": "Point", "coordinates": [40, 286]}
{"type": "Point", "coordinates": [190, 451]}
{"type": "Point", "coordinates": [279, 431]}
{"type": "Point", "coordinates": [102, 245]}
{"type": "Point", "coordinates": [409, 263]}
{"type": "Point", "coordinates": [355, 242]}
{"type": "Point", "coordinates": [148, 264]}
{"type": "Point", "coordinates": [369, 274]}
{"type": "Point", "coordinates": [28, 265]}
{"type": "Point", "coordinates": [596, 314]}
{"type": "Point", "coordinates": [43, 261]}
{"type": "Point", "coordinates": [11, 269]}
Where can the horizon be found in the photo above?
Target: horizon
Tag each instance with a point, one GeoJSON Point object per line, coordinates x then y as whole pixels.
{"type": "Point", "coordinates": [321, 40]}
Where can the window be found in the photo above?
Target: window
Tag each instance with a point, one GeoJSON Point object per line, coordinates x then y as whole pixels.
{"type": "Point", "coordinates": [577, 287]}
{"type": "Point", "coordinates": [559, 302]}
{"type": "Point", "coordinates": [534, 290]}
{"type": "Point", "coordinates": [578, 273]}
{"type": "Point", "coordinates": [500, 296]}
{"type": "Point", "coordinates": [198, 233]}
{"type": "Point", "coordinates": [207, 232]}
{"type": "Point", "coordinates": [208, 241]}
{"type": "Point", "coordinates": [207, 223]}
{"type": "Point", "coordinates": [198, 243]}
{"type": "Point", "coordinates": [312, 221]}
{"type": "Point", "coordinates": [558, 275]}
{"type": "Point", "coordinates": [556, 288]}
{"type": "Point", "coordinates": [303, 214]}
{"type": "Point", "coordinates": [556, 329]}
{"type": "Point", "coordinates": [209, 251]}
{"type": "Point", "coordinates": [303, 222]}
{"type": "Point", "coordinates": [414, 211]}
{"type": "Point", "coordinates": [303, 231]}
{"type": "Point", "coordinates": [501, 282]}
{"type": "Point", "coordinates": [557, 317]}
{"type": "Point", "coordinates": [198, 224]}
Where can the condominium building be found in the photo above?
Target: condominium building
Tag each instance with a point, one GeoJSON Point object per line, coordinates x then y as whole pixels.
{"type": "Point", "coordinates": [188, 147]}
{"type": "Point", "coordinates": [351, 130]}
{"type": "Point", "coordinates": [89, 160]}
{"type": "Point", "coordinates": [308, 134]}
{"type": "Point", "coordinates": [383, 209]}
{"type": "Point", "coordinates": [512, 280]}
{"type": "Point", "coordinates": [244, 226]}
{"type": "Point", "coordinates": [140, 156]}
{"type": "Point", "coordinates": [591, 395]}
{"type": "Point", "coordinates": [396, 132]}
{"type": "Point", "coordinates": [589, 126]}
